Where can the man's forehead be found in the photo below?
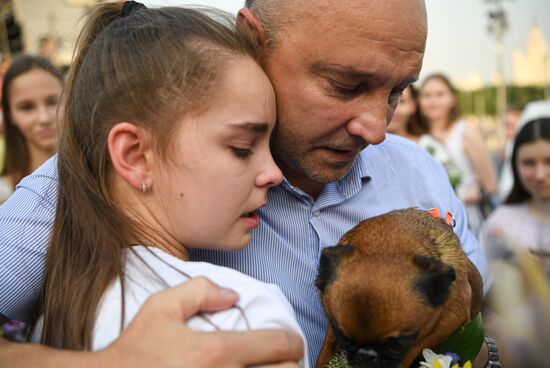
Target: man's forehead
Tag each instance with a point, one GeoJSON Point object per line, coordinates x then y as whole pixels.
{"type": "Point", "coordinates": [331, 8]}
{"type": "Point", "coordinates": [338, 17]}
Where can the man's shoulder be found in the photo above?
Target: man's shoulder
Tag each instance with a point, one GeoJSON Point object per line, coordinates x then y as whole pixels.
{"type": "Point", "coordinates": [397, 151]}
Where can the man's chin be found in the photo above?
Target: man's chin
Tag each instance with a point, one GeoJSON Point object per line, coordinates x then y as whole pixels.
{"type": "Point", "coordinates": [328, 173]}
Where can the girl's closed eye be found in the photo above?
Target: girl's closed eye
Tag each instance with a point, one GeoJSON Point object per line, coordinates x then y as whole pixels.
{"type": "Point", "coordinates": [242, 152]}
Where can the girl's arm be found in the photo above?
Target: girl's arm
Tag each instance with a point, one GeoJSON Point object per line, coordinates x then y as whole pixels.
{"type": "Point", "coordinates": [479, 156]}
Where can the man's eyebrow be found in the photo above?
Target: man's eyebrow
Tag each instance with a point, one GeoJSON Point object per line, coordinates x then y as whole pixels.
{"type": "Point", "coordinates": [350, 72]}
{"type": "Point", "coordinates": [255, 127]}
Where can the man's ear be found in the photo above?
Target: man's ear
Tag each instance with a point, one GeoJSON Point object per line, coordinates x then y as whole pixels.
{"type": "Point", "coordinates": [248, 21]}
{"type": "Point", "coordinates": [130, 150]}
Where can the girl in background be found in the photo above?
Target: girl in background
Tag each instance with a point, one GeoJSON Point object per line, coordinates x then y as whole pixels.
{"type": "Point", "coordinates": [165, 148]}
{"type": "Point", "coordinates": [439, 106]}
{"type": "Point", "coordinates": [409, 123]}
{"type": "Point", "coordinates": [31, 91]}
{"type": "Point", "coordinates": [516, 238]}
{"type": "Point", "coordinates": [524, 218]}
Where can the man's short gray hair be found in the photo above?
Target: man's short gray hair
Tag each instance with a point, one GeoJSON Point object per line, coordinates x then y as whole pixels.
{"type": "Point", "coordinates": [271, 16]}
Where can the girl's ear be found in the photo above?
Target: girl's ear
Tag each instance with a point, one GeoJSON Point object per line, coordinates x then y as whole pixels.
{"type": "Point", "coordinates": [130, 150]}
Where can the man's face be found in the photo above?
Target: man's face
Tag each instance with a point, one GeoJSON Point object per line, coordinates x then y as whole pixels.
{"type": "Point", "coordinates": [338, 70]}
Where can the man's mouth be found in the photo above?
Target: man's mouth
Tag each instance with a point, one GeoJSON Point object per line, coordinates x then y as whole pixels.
{"type": "Point", "coordinates": [342, 154]}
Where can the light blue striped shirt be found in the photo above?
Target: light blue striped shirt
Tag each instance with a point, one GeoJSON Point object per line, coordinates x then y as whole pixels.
{"type": "Point", "coordinates": [286, 246]}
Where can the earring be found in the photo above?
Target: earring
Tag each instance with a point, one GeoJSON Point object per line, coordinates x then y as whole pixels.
{"type": "Point", "coordinates": [144, 187]}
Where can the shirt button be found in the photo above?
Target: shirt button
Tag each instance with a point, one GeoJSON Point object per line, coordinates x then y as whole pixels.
{"type": "Point", "coordinates": [317, 213]}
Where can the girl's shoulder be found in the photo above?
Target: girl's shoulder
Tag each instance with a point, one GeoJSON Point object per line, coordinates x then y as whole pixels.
{"type": "Point", "coordinates": [507, 214]}
{"type": "Point", "coordinates": [149, 270]}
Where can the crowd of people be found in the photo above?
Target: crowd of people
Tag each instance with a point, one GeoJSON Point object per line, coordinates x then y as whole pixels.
{"type": "Point", "coordinates": [185, 144]}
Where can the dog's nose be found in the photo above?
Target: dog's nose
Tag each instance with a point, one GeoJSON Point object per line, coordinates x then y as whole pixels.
{"type": "Point", "coordinates": [370, 358]}
{"type": "Point", "coordinates": [368, 353]}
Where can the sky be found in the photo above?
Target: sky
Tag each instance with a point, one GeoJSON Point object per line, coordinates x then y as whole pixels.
{"type": "Point", "coordinates": [459, 43]}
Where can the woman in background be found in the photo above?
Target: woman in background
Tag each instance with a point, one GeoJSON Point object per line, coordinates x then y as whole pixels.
{"type": "Point", "coordinates": [31, 91]}
{"type": "Point", "coordinates": [516, 238]}
{"type": "Point", "coordinates": [440, 107]}
{"type": "Point", "coordinates": [409, 123]}
{"type": "Point", "coordinates": [524, 218]}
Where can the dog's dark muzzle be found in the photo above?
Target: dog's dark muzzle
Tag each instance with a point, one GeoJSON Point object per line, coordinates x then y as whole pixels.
{"type": "Point", "coordinates": [369, 358]}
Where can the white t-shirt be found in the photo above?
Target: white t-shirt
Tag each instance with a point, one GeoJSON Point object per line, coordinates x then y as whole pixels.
{"type": "Point", "coordinates": [264, 305]}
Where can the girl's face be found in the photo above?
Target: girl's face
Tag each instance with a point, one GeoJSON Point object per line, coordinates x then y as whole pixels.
{"type": "Point", "coordinates": [405, 109]}
{"type": "Point", "coordinates": [33, 99]}
{"type": "Point", "coordinates": [533, 167]}
{"type": "Point", "coordinates": [436, 99]}
{"type": "Point", "coordinates": [219, 165]}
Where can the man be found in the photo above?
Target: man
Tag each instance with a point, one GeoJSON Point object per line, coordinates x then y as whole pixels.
{"type": "Point", "coordinates": [338, 69]}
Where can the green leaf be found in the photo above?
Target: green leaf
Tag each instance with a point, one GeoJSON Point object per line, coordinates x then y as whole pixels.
{"type": "Point", "coordinates": [466, 341]}
{"type": "Point", "coordinates": [339, 360]}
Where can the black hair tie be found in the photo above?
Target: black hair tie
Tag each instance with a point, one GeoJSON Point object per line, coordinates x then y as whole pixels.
{"type": "Point", "coordinates": [131, 6]}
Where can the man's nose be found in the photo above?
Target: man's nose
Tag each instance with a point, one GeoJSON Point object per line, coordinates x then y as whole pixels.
{"type": "Point", "coordinates": [369, 123]}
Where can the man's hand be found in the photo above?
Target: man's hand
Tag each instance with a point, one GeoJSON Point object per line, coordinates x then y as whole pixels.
{"type": "Point", "coordinates": [158, 337]}
{"type": "Point", "coordinates": [159, 334]}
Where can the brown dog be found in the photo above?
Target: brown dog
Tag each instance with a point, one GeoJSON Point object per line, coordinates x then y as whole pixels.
{"type": "Point", "coordinates": [394, 285]}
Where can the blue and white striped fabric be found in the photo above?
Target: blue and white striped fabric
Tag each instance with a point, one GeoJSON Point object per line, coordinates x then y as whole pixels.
{"type": "Point", "coordinates": [285, 248]}
{"type": "Point", "coordinates": [26, 219]}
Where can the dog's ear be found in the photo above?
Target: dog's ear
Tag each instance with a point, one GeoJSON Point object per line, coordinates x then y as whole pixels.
{"type": "Point", "coordinates": [435, 280]}
{"type": "Point", "coordinates": [328, 263]}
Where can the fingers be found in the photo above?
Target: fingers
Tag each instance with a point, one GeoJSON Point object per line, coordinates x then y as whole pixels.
{"type": "Point", "coordinates": [194, 296]}
{"type": "Point", "coordinates": [263, 346]}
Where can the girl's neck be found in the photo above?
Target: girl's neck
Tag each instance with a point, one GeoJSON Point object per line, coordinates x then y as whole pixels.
{"type": "Point", "coordinates": [147, 222]}
{"type": "Point", "coordinates": [439, 127]}
{"type": "Point", "coordinates": [540, 209]}
{"type": "Point", "coordinates": [38, 156]}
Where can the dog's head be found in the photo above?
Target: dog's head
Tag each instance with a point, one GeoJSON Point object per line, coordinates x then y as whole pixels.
{"type": "Point", "coordinates": [383, 286]}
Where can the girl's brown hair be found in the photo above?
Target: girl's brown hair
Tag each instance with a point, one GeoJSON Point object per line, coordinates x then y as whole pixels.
{"type": "Point", "coordinates": [532, 131]}
{"type": "Point", "coordinates": [454, 114]}
{"type": "Point", "coordinates": [148, 67]}
{"type": "Point", "coordinates": [416, 125]}
{"type": "Point", "coordinates": [17, 161]}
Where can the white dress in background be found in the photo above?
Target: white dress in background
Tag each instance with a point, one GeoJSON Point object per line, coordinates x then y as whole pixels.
{"type": "Point", "coordinates": [513, 222]}
{"type": "Point", "coordinates": [469, 182]}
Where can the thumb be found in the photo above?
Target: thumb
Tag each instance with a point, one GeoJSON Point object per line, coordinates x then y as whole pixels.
{"type": "Point", "coordinates": [194, 296]}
